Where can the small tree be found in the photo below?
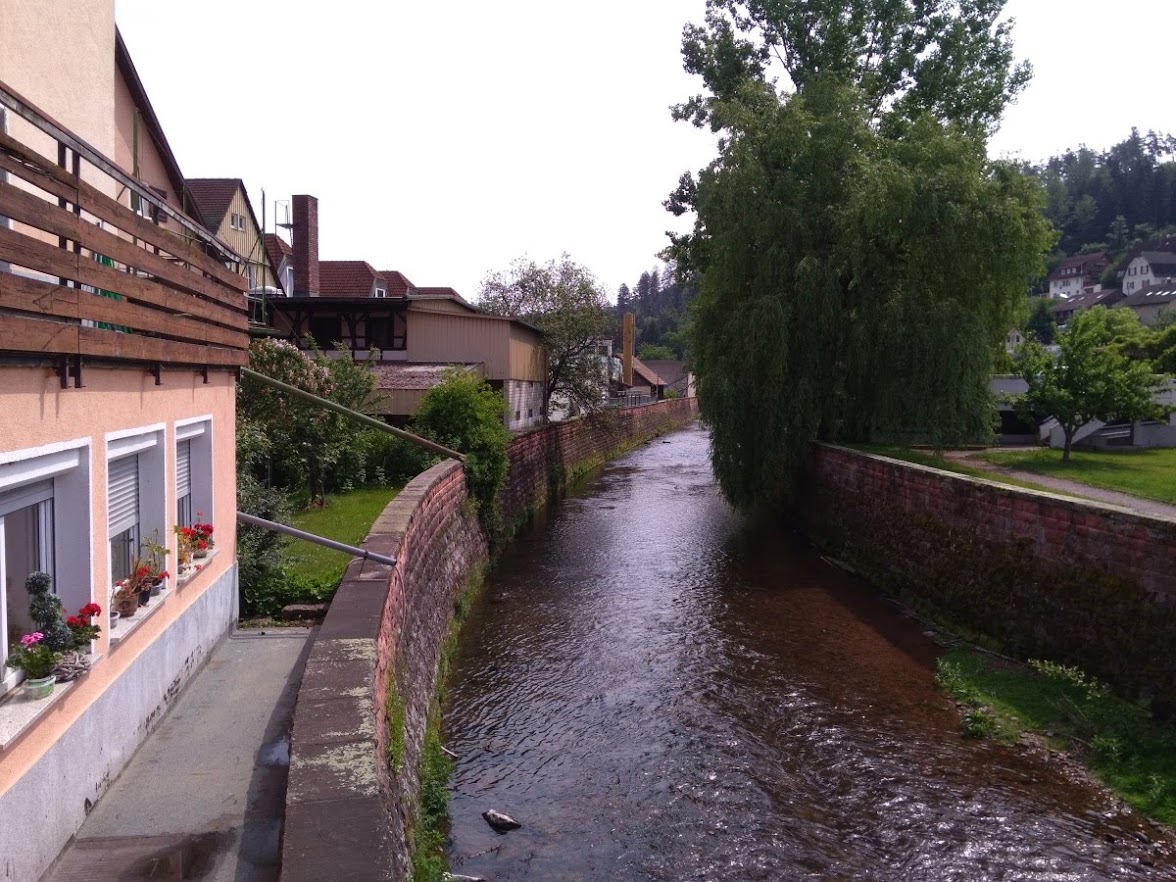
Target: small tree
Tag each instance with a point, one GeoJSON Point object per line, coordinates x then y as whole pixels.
{"type": "Point", "coordinates": [465, 414]}
{"type": "Point", "coordinates": [1089, 378]}
{"type": "Point", "coordinates": [1040, 325]}
{"type": "Point", "coordinates": [564, 301]}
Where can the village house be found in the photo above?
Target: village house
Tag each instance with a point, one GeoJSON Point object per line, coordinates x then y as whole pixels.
{"type": "Point", "coordinates": [124, 325]}
{"type": "Point", "coordinates": [412, 334]}
{"type": "Point", "coordinates": [1077, 275]}
{"type": "Point", "coordinates": [1148, 268]}
{"type": "Point", "coordinates": [1064, 310]}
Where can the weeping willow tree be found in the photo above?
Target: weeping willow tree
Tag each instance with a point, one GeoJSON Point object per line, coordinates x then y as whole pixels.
{"type": "Point", "coordinates": [858, 257]}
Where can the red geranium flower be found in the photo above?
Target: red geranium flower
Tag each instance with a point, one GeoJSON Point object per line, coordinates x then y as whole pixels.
{"type": "Point", "coordinates": [74, 622]}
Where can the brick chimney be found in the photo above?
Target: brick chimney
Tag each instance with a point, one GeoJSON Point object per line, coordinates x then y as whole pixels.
{"type": "Point", "coordinates": [305, 245]}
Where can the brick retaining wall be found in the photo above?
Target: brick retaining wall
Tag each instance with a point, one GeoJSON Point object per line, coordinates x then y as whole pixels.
{"type": "Point", "coordinates": [1047, 576]}
{"type": "Point", "coordinates": [350, 798]}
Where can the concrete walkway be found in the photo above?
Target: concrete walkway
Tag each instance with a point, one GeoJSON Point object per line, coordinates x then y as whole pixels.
{"type": "Point", "coordinates": [1136, 504]}
{"type": "Point", "coordinates": [204, 796]}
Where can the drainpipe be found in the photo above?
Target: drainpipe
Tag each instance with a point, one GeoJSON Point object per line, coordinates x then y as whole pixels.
{"type": "Point", "coordinates": [353, 415]}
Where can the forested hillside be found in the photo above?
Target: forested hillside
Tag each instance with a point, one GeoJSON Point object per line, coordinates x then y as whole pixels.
{"type": "Point", "coordinates": [659, 305]}
{"type": "Point", "coordinates": [1111, 199]}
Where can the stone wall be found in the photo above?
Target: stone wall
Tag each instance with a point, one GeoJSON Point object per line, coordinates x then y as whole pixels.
{"type": "Point", "coordinates": [546, 459]}
{"type": "Point", "coordinates": [1045, 575]}
{"type": "Point", "coordinates": [359, 724]}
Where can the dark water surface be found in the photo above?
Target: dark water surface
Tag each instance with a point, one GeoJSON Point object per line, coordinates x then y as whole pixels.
{"type": "Point", "coordinates": [659, 691]}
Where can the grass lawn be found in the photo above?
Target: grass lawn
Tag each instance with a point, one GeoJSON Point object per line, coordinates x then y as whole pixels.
{"type": "Point", "coordinates": [927, 458]}
{"type": "Point", "coordinates": [1114, 738]}
{"type": "Point", "coordinates": [345, 518]}
{"type": "Point", "coordinates": [1147, 473]}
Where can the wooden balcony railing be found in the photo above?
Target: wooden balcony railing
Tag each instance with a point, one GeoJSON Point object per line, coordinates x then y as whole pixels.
{"type": "Point", "coordinates": [85, 278]}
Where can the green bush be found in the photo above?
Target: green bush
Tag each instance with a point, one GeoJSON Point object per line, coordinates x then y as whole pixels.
{"type": "Point", "coordinates": [466, 415]}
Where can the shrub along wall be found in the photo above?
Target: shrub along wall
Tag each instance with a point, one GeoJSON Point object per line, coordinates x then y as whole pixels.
{"type": "Point", "coordinates": [359, 723]}
{"type": "Point", "coordinates": [1044, 575]}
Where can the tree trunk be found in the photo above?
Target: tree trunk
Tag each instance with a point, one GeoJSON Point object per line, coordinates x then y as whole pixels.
{"type": "Point", "coordinates": [1069, 435]}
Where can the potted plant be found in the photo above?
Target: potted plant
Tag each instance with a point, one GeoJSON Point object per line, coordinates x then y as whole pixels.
{"type": "Point", "coordinates": [130, 592]}
{"type": "Point", "coordinates": [83, 628]}
{"type": "Point", "coordinates": [37, 660]}
{"type": "Point", "coordinates": [156, 555]}
{"type": "Point", "coordinates": [184, 542]}
{"type": "Point", "coordinates": [202, 537]}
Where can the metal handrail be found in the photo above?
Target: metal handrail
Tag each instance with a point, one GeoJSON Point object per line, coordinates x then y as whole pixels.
{"type": "Point", "coordinates": [274, 526]}
{"type": "Point", "coordinates": [355, 415]}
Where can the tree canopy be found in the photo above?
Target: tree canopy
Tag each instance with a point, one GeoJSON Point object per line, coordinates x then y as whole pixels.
{"type": "Point", "coordinates": [1091, 376]}
{"type": "Point", "coordinates": [859, 258]}
{"type": "Point", "coordinates": [563, 300]}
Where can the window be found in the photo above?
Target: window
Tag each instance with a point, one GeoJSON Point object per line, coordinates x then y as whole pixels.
{"type": "Point", "coordinates": [385, 332]}
{"type": "Point", "coordinates": [123, 515]}
{"type": "Point", "coordinates": [326, 329]}
{"type": "Point", "coordinates": [288, 280]}
{"type": "Point", "coordinates": [184, 483]}
{"type": "Point", "coordinates": [44, 499]}
{"type": "Point", "coordinates": [135, 495]}
{"type": "Point", "coordinates": [251, 275]}
{"type": "Point", "coordinates": [381, 291]}
{"type": "Point", "coordinates": [237, 221]}
{"type": "Point", "coordinates": [193, 470]}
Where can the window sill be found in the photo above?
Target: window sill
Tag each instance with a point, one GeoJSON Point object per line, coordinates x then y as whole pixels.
{"type": "Point", "coordinates": [123, 628]}
{"type": "Point", "coordinates": [188, 573]}
{"type": "Point", "coordinates": [18, 712]}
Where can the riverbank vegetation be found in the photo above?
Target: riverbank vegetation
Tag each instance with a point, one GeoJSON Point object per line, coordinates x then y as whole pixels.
{"type": "Point", "coordinates": [1147, 473]}
{"type": "Point", "coordinates": [296, 459]}
{"type": "Point", "coordinates": [939, 461]}
{"type": "Point", "coordinates": [1118, 740]}
{"type": "Point", "coordinates": [881, 313]}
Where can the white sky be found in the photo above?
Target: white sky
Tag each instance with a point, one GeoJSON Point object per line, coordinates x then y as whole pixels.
{"type": "Point", "coordinates": [444, 140]}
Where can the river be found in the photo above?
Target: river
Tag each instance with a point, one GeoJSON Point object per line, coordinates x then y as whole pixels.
{"type": "Point", "coordinates": [658, 690]}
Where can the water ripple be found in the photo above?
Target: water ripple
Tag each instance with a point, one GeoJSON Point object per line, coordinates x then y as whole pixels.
{"type": "Point", "coordinates": [659, 691]}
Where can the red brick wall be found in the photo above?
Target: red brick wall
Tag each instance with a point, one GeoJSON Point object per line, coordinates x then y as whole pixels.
{"type": "Point", "coordinates": [541, 461]}
{"type": "Point", "coordinates": [1047, 576]}
{"type": "Point", "coordinates": [348, 809]}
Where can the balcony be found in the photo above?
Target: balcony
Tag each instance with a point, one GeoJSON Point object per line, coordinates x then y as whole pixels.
{"type": "Point", "coordinates": [84, 278]}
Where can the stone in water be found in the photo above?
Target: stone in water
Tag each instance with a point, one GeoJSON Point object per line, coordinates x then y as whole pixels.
{"type": "Point", "coordinates": [500, 822]}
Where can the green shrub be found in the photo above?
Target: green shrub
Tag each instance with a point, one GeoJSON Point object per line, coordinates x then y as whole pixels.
{"type": "Point", "coordinates": [466, 415]}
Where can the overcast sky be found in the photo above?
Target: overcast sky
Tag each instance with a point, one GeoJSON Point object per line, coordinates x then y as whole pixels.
{"type": "Point", "coordinates": [445, 140]}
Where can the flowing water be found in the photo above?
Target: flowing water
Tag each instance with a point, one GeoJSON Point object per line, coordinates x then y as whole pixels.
{"type": "Point", "coordinates": [657, 690]}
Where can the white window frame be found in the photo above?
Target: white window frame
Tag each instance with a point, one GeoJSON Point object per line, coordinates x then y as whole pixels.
{"type": "Point", "coordinates": [145, 442]}
{"type": "Point", "coordinates": [25, 477]}
{"type": "Point", "coordinates": [381, 291]}
{"type": "Point", "coordinates": [197, 431]}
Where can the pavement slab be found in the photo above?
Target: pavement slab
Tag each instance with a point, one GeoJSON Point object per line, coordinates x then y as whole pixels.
{"type": "Point", "coordinates": [204, 796]}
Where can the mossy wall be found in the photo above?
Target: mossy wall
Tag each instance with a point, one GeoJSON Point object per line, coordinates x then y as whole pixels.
{"type": "Point", "coordinates": [363, 706]}
{"type": "Point", "coordinates": [1043, 576]}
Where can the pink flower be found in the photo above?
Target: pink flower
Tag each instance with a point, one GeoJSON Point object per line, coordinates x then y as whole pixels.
{"type": "Point", "coordinates": [30, 639]}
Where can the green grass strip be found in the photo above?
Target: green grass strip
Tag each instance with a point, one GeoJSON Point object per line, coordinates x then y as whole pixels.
{"type": "Point", "coordinates": [1116, 739]}
{"type": "Point", "coordinates": [345, 518]}
{"type": "Point", "coordinates": [1147, 473]}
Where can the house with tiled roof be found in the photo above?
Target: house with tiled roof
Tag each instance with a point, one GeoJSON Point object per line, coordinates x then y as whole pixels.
{"type": "Point", "coordinates": [281, 258]}
{"type": "Point", "coordinates": [1148, 268]}
{"type": "Point", "coordinates": [1077, 275]}
{"type": "Point", "coordinates": [1064, 310]}
{"type": "Point", "coordinates": [411, 333]}
{"type": "Point", "coordinates": [123, 328]}
{"type": "Point", "coordinates": [224, 206]}
{"type": "Point", "coordinates": [1149, 302]}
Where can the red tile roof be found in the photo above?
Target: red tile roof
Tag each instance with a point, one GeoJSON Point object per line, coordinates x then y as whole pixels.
{"type": "Point", "coordinates": [398, 283]}
{"type": "Point", "coordinates": [1085, 264]}
{"type": "Point", "coordinates": [212, 196]}
{"type": "Point", "coordinates": [346, 278]}
{"type": "Point", "coordinates": [646, 374]}
{"type": "Point", "coordinates": [276, 248]}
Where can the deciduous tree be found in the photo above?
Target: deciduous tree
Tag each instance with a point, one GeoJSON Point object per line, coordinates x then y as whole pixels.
{"type": "Point", "coordinates": [860, 259]}
{"type": "Point", "coordinates": [1090, 378]}
{"type": "Point", "coordinates": [563, 300]}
